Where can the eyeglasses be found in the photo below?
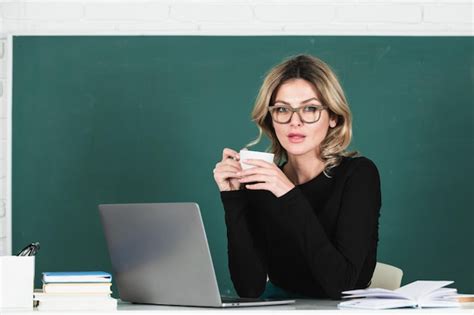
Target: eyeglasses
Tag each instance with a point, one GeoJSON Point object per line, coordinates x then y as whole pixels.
{"type": "Point", "coordinates": [309, 114]}
{"type": "Point", "coordinates": [30, 250]}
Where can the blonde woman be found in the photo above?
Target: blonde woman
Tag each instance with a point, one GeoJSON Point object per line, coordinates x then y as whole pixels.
{"type": "Point", "coordinates": [309, 223]}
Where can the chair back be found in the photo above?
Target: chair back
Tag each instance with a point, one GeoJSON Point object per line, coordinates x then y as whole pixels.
{"type": "Point", "coordinates": [386, 277]}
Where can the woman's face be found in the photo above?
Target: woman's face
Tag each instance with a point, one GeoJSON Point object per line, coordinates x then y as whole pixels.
{"type": "Point", "coordinates": [297, 137]}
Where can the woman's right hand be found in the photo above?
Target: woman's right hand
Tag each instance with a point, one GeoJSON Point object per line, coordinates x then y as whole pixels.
{"type": "Point", "coordinates": [225, 171]}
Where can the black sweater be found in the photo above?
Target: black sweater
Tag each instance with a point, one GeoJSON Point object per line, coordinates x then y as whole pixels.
{"type": "Point", "coordinates": [317, 240]}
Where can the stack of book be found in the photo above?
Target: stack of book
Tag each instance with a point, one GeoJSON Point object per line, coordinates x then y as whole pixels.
{"type": "Point", "coordinates": [84, 290]}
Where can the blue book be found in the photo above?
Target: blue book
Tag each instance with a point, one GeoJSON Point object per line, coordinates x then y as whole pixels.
{"type": "Point", "coordinates": [77, 277]}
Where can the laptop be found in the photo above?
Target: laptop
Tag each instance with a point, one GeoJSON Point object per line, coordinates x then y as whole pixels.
{"type": "Point", "coordinates": [160, 255]}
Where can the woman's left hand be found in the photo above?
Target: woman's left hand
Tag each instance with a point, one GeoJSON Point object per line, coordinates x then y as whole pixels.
{"type": "Point", "coordinates": [268, 177]}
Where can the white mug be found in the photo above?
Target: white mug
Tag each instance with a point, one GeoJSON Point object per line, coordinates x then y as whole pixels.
{"type": "Point", "coordinates": [254, 155]}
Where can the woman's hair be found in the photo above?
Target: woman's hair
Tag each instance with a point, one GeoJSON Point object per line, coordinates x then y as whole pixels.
{"type": "Point", "coordinates": [330, 92]}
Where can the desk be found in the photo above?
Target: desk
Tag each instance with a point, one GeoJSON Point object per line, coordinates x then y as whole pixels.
{"type": "Point", "coordinates": [319, 307]}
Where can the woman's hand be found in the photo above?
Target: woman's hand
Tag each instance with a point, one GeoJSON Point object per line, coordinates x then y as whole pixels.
{"type": "Point", "coordinates": [225, 172]}
{"type": "Point", "coordinates": [268, 176]}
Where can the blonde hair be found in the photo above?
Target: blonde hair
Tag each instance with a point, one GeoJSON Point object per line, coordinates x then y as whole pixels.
{"type": "Point", "coordinates": [333, 147]}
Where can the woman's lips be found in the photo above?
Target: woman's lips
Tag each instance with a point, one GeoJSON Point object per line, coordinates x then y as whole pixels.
{"type": "Point", "coordinates": [296, 138]}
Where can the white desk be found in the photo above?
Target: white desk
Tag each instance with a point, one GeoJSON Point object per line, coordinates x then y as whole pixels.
{"type": "Point", "coordinates": [319, 307]}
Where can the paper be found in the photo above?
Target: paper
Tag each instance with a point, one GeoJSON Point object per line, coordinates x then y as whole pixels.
{"type": "Point", "coordinates": [417, 289]}
{"type": "Point", "coordinates": [415, 294]}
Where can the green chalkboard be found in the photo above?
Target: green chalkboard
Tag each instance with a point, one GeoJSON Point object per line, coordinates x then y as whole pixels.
{"type": "Point", "coordinates": [120, 119]}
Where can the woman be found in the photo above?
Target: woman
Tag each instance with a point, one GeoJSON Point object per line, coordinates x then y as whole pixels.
{"type": "Point", "coordinates": [310, 225]}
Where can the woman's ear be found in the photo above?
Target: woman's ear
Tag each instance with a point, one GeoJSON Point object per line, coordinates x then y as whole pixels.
{"type": "Point", "coordinates": [333, 121]}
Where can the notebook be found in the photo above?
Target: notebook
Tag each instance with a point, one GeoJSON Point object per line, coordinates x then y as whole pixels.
{"type": "Point", "coordinates": [419, 294]}
{"type": "Point", "coordinates": [160, 255]}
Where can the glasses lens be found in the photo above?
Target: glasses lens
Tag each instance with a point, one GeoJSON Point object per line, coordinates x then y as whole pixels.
{"type": "Point", "coordinates": [281, 114]}
{"type": "Point", "coordinates": [310, 113]}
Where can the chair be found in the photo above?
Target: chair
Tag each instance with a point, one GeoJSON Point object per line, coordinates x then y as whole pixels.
{"type": "Point", "coordinates": [386, 277]}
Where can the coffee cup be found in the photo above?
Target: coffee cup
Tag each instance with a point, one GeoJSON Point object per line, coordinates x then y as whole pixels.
{"type": "Point", "coordinates": [254, 155]}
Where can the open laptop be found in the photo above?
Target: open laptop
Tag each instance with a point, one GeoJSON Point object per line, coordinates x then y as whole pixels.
{"type": "Point", "coordinates": [160, 255]}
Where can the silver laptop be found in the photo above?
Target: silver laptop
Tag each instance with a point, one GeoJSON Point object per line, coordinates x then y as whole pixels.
{"type": "Point", "coordinates": [160, 255]}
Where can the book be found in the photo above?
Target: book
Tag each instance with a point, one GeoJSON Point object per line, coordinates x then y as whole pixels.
{"type": "Point", "coordinates": [77, 288]}
{"type": "Point", "coordinates": [463, 298]}
{"type": "Point", "coordinates": [103, 305]}
{"type": "Point", "coordinates": [77, 276]}
{"type": "Point", "coordinates": [39, 295]}
{"type": "Point", "coordinates": [418, 294]}
{"type": "Point", "coordinates": [70, 302]}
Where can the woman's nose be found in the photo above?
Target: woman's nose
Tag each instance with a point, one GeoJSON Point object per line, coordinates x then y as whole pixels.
{"type": "Point", "coordinates": [295, 120]}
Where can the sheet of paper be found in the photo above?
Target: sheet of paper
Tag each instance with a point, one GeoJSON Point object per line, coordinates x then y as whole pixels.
{"type": "Point", "coordinates": [418, 289]}
{"type": "Point", "coordinates": [381, 295]}
{"type": "Point", "coordinates": [368, 291]}
{"type": "Point", "coordinates": [376, 304]}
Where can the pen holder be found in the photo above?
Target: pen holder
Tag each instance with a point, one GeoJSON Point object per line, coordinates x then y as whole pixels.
{"type": "Point", "coordinates": [17, 274]}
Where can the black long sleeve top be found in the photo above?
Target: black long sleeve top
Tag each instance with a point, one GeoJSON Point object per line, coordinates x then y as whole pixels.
{"type": "Point", "coordinates": [317, 240]}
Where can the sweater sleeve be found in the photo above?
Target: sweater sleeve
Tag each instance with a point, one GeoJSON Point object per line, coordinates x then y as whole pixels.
{"type": "Point", "coordinates": [336, 261]}
{"type": "Point", "coordinates": [244, 246]}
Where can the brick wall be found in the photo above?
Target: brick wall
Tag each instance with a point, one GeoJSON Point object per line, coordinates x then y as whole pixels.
{"type": "Point", "coordinates": [4, 216]}
{"type": "Point", "coordinates": [238, 17]}
{"type": "Point", "coordinates": [226, 17]}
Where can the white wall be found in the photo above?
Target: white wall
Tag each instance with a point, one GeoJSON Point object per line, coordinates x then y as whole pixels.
{"type": "Point", "coordinates": [226, 17]}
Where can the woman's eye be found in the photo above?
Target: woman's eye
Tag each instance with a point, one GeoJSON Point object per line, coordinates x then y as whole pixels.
{"type": "Point", "coordinates": [282, 110]}
{"type": "Point", "coordinates": [310, 109]}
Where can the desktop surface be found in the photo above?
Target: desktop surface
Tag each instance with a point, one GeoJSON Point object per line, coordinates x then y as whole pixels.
{"type": "Point", "coordinates": [319, 307]}
{"type": "Point", "coordinates": [322, 306]}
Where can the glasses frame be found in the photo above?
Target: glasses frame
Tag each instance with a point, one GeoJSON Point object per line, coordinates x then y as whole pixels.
{"type": "Point", "coordinates": [30, 250]}
{"type": "Point", "coordinates": [297, 111]}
